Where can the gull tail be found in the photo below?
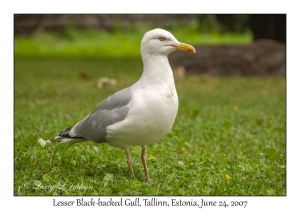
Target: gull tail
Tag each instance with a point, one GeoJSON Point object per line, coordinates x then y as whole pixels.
{"type": "Point", "coordinates": [65, 136]}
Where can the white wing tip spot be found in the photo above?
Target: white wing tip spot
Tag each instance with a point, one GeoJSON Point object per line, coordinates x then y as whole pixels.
{"type": "Point", "coordinates": [44, 143]}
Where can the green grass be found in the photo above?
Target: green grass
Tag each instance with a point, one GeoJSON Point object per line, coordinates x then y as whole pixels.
{"type": "Point", "coordinates": [91, 43]}
{"type": "Point", "coordinates": [234, 126]}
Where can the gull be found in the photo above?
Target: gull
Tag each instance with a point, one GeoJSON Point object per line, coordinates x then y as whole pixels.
{"type": "Point", "coordinates": [137, 115]}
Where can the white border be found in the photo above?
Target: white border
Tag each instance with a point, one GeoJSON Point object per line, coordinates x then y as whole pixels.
{"type": "Point", "coordinates": [153, 6]}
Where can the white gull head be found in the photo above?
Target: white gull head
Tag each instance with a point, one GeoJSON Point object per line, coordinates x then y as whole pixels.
{"type": "Point", "coordinates": [162, 42]}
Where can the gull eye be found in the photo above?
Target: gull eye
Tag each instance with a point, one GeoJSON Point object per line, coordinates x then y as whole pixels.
{"type": "Point", "coordinates": [162, 38]}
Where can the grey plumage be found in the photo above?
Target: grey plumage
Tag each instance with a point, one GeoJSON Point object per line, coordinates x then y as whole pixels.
{"type": "Point", "coordinates": [110, 111]}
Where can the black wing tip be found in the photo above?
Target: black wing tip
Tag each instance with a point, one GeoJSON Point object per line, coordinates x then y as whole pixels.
{"type": "Point", "coordinates": [65, 133]}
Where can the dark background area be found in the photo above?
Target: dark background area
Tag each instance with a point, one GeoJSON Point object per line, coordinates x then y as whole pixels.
{"type": "Point", "coordinates": [263, 26]}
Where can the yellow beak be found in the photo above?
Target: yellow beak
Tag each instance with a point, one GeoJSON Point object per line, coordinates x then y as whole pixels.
{"type": "Point", "coordinates": [185, 47]}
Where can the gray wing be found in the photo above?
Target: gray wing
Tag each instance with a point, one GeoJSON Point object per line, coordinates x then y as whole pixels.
{"type": "Point", "coordinates": [112, 110]}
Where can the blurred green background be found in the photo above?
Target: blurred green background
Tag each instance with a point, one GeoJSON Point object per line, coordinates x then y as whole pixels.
{"type": "Point", "coordinates": [100, 35]}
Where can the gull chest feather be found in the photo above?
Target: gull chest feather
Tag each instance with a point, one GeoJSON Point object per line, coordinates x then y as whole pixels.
{"type": "Point", "coordinates": [150, 118]}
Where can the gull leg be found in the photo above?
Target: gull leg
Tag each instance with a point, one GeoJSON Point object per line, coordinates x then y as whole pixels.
{"type": "Point", "coordinates": [143, 157]}
{"type": "Point", "coordinates": [129, 161]}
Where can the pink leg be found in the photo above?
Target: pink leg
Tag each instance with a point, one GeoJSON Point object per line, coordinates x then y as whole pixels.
{"type": "Point", "coordinates": [143, 157]}
{"type": "Point", "coordinates": [129, 162]}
